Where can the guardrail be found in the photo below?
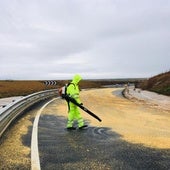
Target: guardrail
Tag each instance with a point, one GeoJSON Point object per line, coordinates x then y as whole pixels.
{"type": "Point", "coordinates": [13, 110]}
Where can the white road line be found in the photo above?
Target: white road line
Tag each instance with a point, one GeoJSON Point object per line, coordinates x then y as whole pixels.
{"type": "Point", "coordinates": [35, 160]}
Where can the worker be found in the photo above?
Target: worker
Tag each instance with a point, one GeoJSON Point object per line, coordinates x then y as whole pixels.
{"type": "Point", "coordinates": [73, 110]}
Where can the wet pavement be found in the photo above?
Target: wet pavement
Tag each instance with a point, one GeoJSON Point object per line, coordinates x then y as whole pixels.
{"type": "Point", "coordinates": [93, 148]}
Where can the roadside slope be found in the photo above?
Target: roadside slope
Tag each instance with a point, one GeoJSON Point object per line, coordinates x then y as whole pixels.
{"type": "Point", "coordinates": [159, 83]}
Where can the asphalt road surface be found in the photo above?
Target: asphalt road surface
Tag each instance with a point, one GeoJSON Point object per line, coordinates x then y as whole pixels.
{"type": "Point", "coordinates": [131, 136]}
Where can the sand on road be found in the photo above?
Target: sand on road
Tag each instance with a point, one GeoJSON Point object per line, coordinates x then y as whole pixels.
{"type": "Point", "coordinates": [136, 122]}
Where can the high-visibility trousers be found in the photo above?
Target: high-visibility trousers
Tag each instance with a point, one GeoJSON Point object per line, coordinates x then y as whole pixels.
{"type": "Point", "coordinates": [74, 115]}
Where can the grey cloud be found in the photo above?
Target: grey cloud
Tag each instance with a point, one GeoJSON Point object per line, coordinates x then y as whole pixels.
{"type": "Point", "coordinates": [51, 39]}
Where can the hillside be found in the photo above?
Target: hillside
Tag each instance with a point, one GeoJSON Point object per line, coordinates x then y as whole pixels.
{"type": "Point", "coordinates": [159, 83]}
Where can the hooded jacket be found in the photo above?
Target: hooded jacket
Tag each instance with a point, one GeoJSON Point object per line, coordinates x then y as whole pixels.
{"type": "Point", "coordinates": [73, 89]}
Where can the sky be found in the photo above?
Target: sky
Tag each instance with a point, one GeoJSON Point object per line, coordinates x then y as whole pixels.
{"type": "Point", "coordinates": [55, 39]}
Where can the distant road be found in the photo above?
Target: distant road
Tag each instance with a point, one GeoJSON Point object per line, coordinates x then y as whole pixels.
{"type": "Point", "coordinates": [132, 135]}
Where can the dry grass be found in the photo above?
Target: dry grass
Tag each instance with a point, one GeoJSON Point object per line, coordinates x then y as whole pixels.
{"type": "Point", "coordinates": [22, 88]}
{"type": "Point", "coordinates": [159, 83]}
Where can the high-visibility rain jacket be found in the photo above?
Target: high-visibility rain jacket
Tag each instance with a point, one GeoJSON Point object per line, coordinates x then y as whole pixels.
{"type": "Point", "coordinates": [73, 89]}
{"type": "Point", "coordinates": [74, 113]}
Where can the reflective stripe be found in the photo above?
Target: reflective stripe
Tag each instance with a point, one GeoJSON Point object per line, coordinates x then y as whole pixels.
{"type": "Point", "coordinates": [80, 122]}
{"type": "Point", "coordinates": [70, 123]}
{"type": "Point", "coordinates": [75, 95]}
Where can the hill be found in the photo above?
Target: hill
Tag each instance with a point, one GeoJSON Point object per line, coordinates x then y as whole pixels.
{"type": "Point", "coordinates": [159, 83]}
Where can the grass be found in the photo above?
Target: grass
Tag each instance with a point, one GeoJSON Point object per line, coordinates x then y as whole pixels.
{"type": "Point", "coordinates": [8, 88]}
{"type": "Point", "coordinates": [22, 88]}
{"type": "Point", "coordinates": [159, 83]}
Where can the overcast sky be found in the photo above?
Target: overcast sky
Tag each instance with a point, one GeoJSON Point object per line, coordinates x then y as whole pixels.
{"type": "Point", "coordinates": [54, 39]}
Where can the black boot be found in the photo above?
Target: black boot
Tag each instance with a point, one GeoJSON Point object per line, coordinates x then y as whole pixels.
{"type": "Point", "coordinates": [71, 128]}
{"type": "Point", "coordinates": [83, 127]}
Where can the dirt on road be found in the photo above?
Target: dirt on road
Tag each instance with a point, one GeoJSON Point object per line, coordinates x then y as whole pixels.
{"type": "Point", "coordinates": [135, 121]}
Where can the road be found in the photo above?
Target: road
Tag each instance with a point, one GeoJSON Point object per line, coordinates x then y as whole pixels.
{"type": "Point", "coordinates": [132, 135]}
